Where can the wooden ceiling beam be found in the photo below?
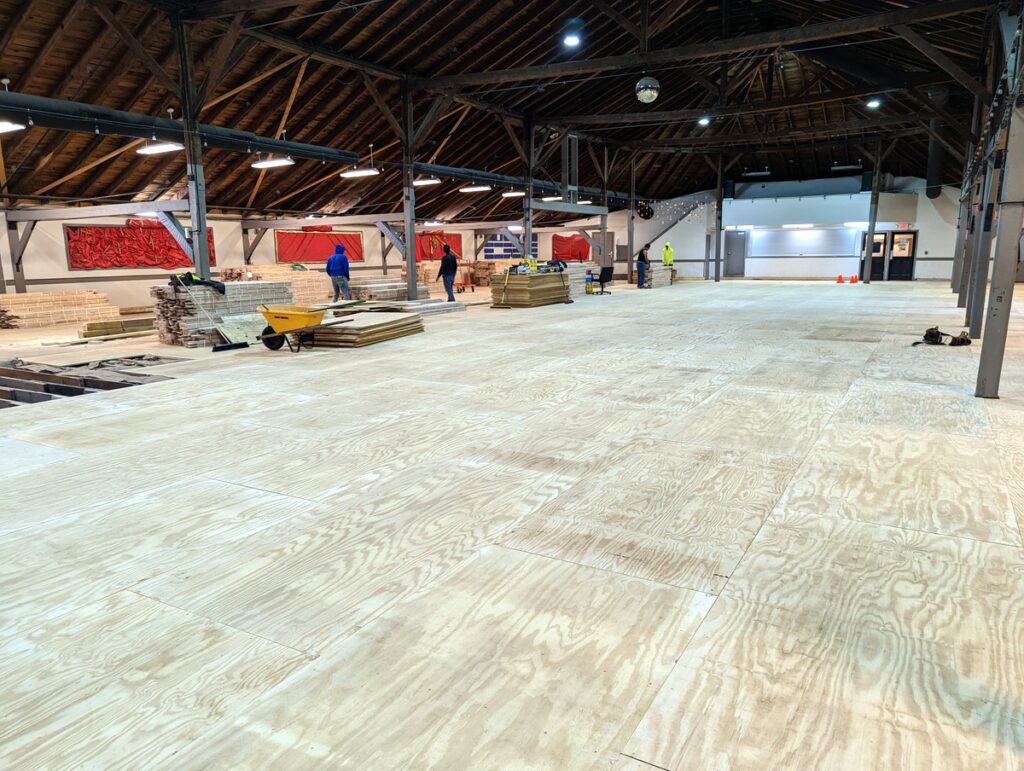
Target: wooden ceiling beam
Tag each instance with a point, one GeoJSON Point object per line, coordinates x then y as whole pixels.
{"type": "Point", "coordinates": [958, 73]}
{"type": "Point", "coordinates": [808, 33]}
{"type": "Point", "coordinates": [135, 46]}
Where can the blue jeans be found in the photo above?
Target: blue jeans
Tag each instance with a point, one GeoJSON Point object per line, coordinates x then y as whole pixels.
{"type": "Point", "coordinates": [449, 283]}
{"type": "Point", "coordinates": [340, 285]}
{"type": "Point", "coordinates": [641, 273]}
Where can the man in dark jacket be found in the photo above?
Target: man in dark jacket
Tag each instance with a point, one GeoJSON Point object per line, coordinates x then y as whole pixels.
{"type": "Point", "coordinates": [337, 269]}
{"type": "Point", "coordinates": [449, 269]}
{"type": "Point", "coordinates": [643, 264]}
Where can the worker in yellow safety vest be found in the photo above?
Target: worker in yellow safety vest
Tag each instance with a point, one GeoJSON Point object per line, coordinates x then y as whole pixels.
{"type": "Point", "coordinates": [667, 254]}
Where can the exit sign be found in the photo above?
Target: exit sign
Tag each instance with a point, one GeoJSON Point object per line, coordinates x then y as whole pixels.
{"type": "Point", "coordinates": [903, 226]}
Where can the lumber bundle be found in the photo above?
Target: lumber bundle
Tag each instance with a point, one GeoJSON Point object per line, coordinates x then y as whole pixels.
{"type": "Point", "coordinates": [368, 328]}
{"type": "Point", "coordinates": [45, 309]}
{"type": "Point", "coordinates": [576, 276]}
{"type": "Point", "coordinates": [383, 288]}
{"type": "Point", "coordinates": [486, 272]}
{"type": "Point", "coordinates": [659, 275]}
{"type": "Point", "coordinates": [180, 322]}
{"type": "Point", "coordinates": [308, 287]}
{"type": "Point", "coordinates": [528, 290]}
{"type": "Point", "coordinates": [104, 328]}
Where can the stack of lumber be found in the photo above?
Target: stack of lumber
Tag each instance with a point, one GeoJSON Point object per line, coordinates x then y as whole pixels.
{"type": "Point", "coordinates": [383, 288]}
{"type": "Point", "coordinates": [576, 275]}
{"type": "Point", "coordinates": [180, 322]}
{"type": "Point", "coordinates": [426, 272]}
{"type": "Point", "coordinates": [369, 328]}
{"type": "Point", "coordinates": [659, 275]}
{"type": "Point", "coordinates": [135, 310]}
{"type": "Point", "coordinates": [104, 328]}
{"type": "Point", "coordinates": [427, 307]}
{"type": "Point", "coordinates": [529, 290]}
{"type": "Point", "coordinates": [309, 287]}
{"type": "Point", "coordinates": [44, 309]}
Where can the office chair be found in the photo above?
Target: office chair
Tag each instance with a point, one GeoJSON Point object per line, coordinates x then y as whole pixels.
{"type": "Point", "coordinates": [605, 277]}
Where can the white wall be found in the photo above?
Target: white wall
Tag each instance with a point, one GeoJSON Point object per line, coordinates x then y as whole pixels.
{"type": "Point", "coordinates": [935, 220]}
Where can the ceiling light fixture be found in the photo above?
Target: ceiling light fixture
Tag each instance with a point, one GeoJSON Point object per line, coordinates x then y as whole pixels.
{"type": "Point", "coordinates": [513, 194]}
{"type": "Point", "coordinates": [426, 182]}
{"type": "Point", "coordinates": [433, 224]}
{"type": "Point", "coordinates": [515, 228]}
{"type": "Point", "coordinates": [847, 167]}
{"type": "Point", "coordinates": [800, 226]}
{"type": "Point", "coordinates": [474, 189]}
{"type": "Point", "coordinates": [585, 203]}
{"type": "Point", "coordinates": [571, 40]}
{"type": "Point", "coordinates": [763, 173]}
{"type": "Point", "coordinates": [550, 198]}
{"type": "Point", "coordinates": [647, 89]}
{"type": "Point", "coordinates": [873, 104]}
{"type": "Point", "coordinates": [158, 148]}
{"type": "Point", "coordinates": [705, 121]}
{"type": "Point", "coordinates": [356, 172]}
{"type": "Point", "coordinates": [7, 126]}
{"type": "Point", "coordinates": [270, 162]}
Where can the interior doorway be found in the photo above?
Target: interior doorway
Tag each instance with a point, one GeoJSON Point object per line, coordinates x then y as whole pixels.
{"type": "Point", "coordinates": [735, 253]}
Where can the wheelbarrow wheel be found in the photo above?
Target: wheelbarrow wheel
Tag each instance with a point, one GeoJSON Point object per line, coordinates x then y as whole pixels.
{"type": "Point", "coordinates": [272, 341]}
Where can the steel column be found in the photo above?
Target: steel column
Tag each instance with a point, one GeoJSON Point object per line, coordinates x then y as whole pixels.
{"type": "Point", "coordinates": [719, 199]}
{"type": "Point", "coordinates": [409, 191]}
{"type": "Point", "coordinates": [869, 236]}
{"type": "Point", "coordinates": [1004, 274]}
{"type": "Point", "coordinates": [631, 219]}
{"type": "Point", "coordinates": [18, 240]}
{"type": "Point", "coordinates": [962, 218]}
{"type": "Point", "coordinates": [970, 239]}
{"type": "Point", "coordinates": [530, 143]}
{"type": "Point", "coordinates": [193, 152]}
{"type": "Point", "coordinates": [978, 286]}
{"type": "Point", "coordinates": [3, 252]}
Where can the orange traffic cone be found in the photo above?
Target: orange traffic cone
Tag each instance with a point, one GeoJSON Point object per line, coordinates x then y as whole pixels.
{"type": "Point", "coordinates": [853, 279]}
{"type": "Point", "coordinates": [839, 279]}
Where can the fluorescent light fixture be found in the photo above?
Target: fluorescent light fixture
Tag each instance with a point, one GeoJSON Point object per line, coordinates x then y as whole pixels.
{"type": "Point", "coordinates": [571, 40]}
{"type": "Point", "coordinates": [705, 121]}
{"type": "Point", "coordinates": [426, 182]}
{"type": "Point", "coordinates": [763, 173]}
{"type": "Point", "coordinates": [160, 147]}
{"type": "Point", "coordinates": [149, 215]}
{"type": "Point", "coordinates": [585, 202]}
{"type": "Point", "coordinates": [801, 226]}
{"type": "Point", "coordinates": [7, 126]}
{"type": "Point", "coordinates": [513, 194]}
{"type": "Point", "coordinates": [357, 173]}
{"type": "Point", "coordinates": [873, 104]}
{"type": "Point", "coordinates": [515, 228]}
{"type": "Point", "coordinates": [550, 198]}
{"type": "Point", "coordinates": [856, 225]}
{"type": "Point", "coordinates": [433, 224]}
{"type": "Point", "coordinates": [273, 163]}
{"type": "Point", "coordinates": [474, 189]}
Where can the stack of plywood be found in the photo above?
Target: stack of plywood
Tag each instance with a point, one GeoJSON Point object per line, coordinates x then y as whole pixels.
{"type": "Point", "coordinates": [576, 276]}
{"type": "Point", "coordinates": [180, 322]}
{"type": "Point", "coordinates": [44, 309]}
{"type": "Point", "coordinates": [367, 329]}
{"type": "Point", "coordinates": [658, 275]}
{"type": "Point", "coordinates": [102, 328]}
{"type": "Point", "coordinates": [529, 290]}
{"type": "Point", "coordinates": [309, 287]}
{"type": "Point", "coordinates": [383, 288]}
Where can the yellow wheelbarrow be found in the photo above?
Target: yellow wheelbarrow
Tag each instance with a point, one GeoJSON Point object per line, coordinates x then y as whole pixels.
{"type": "Point", "coordinates": [300, 321]}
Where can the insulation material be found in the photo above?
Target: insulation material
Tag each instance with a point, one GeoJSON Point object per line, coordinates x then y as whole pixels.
{"type": "Point", "coordinates": [299, 246]}
{"type": "Point", "coordinates": [141, 243]}
{"type": "Point", "coordinates": [430, 245]}
{"type": "Point", "coordinates": [570, 248]}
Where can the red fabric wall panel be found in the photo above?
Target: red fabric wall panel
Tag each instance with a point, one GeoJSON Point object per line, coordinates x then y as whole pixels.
{"type": "Point", "coordinates": [139, 244]}
{"type": "Point", "coordinates": [430, 246]}
{"type": "Point", "coordinates": [570, 248]}
{"type": "Point", "coordinates": [316, 247]}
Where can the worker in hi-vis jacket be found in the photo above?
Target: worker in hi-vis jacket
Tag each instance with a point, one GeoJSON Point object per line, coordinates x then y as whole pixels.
{"type": "Point", "coordinates": [667, 254]}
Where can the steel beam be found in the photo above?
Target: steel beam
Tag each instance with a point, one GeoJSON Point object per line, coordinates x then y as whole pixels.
{"type": "Point", "coordinates": [596, 245]}
{"type": "Point", "coordinates": [517, 243]}
{"type": "Point", "coordinates": [532, 150]}
{"type": "Point", "coordinates": [136, 47]}
{"type": "Point", "coordinates": [962, 217]}
{"type": "Point", "coordinates": [771, 40]}
{"type": "Point", "coordinates": [970, 239]}
{"type": "Point", "coordinates": [631, 220]}
{"type": "Point", "coordinates": [177, 231]}
{"type": "Point", "coordinates": [1004, 273]}
{"type": "Point", "coordinates": [57, 213]}
{"type": "Point", "coordinates": [975, 316]}
{"type": "Point", "coordinates": [295, 223]}
{"type": "Point", "coordinates": [92, 119]}
{"type": "Point", "coordinates": [393, 238]}
{"type": "Point", "coordinates": [568, 208]}
{"type": "Point", "coordinates": [719, 205]}
{"type": "Point", "coordinates": [249, 245]}
{"type": "Point", "coordinates": [958, 73]}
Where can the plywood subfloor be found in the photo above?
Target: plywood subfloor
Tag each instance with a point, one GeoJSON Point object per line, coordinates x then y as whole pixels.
{"type": "Point", "coordinates": [742, 526]}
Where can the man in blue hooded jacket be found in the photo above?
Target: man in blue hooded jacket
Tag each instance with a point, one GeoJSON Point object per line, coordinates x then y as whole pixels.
{"type": "Point", "coordinates": [337, 269]}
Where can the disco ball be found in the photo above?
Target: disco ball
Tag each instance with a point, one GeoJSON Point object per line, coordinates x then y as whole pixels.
{"type": "Point", "coordinates": [647, 89]}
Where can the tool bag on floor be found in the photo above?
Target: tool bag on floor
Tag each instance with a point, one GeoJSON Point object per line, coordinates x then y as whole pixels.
{"type": "Point", "coordinates": [932, 336]}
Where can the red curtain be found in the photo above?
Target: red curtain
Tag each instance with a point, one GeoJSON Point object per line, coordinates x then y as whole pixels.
{"type": "Point", "coordinates": [141, 243]}
{"type": "Point", "coordinates": [430, 246]}
{"type": "Point", "coordinates": [294, 246]}
{"type": "Point", "coordinates": [570, 248]}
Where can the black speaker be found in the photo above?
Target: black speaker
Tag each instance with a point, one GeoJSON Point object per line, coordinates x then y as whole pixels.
{"type": "Point", "coordinates": [729, 188]}
{"type": "Point", "coordinates": [865, 181]}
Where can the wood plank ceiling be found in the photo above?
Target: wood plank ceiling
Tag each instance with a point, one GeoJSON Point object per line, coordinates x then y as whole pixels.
{"type": "Point", "coordinates": [66, 49]}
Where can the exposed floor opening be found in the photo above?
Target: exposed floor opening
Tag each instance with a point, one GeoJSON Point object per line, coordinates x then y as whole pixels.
{"type": "Point", "coordinates": [31, 383]}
